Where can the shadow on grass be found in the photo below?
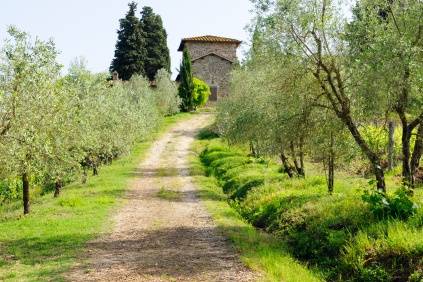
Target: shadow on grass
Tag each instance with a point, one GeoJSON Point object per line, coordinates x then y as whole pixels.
{"type": "Point", "coordinates": [57, 251]}
{"type": "Point", "coordinates": [117, 193]}
{"type": "Point", "coordinates": [207, 134]}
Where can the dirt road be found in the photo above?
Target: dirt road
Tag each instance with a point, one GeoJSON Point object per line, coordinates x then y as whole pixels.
{"type": "Point", "coordinates": [163, 233]}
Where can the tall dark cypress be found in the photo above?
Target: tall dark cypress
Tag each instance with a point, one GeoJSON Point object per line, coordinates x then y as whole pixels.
{"type": "Point", "coordinates": [130, 48]}
{"type": "Point", "coordinates": [186, 86]}
{"type": "Point", "coordinates": [155, 37]}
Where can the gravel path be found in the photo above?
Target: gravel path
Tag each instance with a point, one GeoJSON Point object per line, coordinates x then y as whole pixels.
{"type": "Point", "coordinates": [163, 232]}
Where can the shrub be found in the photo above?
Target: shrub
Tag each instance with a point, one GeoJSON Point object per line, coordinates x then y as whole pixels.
{"type": "Point", "coordinates": [10, 190]}
{"type": "Point", "coordinates": [399, 205]}
{"type": "Point", "coordinates": [201, 92]}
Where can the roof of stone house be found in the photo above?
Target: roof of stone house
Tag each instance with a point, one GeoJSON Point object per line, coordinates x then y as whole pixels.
{"type": "Point", "coordinates": [207, 38]}
{"type": "Point", "coordinates": [212, 54]}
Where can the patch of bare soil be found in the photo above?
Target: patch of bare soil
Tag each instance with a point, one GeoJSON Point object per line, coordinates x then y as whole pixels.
{"type": "Point", "coordinates": [163, 232]}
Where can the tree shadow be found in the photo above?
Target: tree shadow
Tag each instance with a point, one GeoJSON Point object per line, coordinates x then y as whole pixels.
{"type": "Point", "coordinates": [47, 250]}
{"type": "Point", "coordinates": [162, 172]}
{"type": "Point", "coordinates": [183, 253]}
{"type": "Point", "coordinates": [193, 196]}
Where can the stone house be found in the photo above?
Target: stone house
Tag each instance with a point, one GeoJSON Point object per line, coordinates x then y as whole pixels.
{"type": "Point", "coordinates": [212, 59]}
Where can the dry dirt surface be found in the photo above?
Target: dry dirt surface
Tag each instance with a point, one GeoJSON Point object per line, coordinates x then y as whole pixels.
{"type": "Point", "coordinates": [163, 233]}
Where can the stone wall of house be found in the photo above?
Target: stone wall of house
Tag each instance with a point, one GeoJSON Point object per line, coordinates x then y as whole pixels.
{"type": "Point", "coordinates": [215, 71]}
{"type": "Point", "coordinates": [199, 49]}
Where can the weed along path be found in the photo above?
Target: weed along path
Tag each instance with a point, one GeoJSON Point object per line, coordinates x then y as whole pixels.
{"type": "Point", "coordinates": [163, 233]}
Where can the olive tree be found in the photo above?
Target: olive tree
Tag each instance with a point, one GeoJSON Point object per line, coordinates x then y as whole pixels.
{"type": "Point", "coordinates": [30, 99]}
{"type": "Point", "coordinates": [386, 47]}
{"type": "Point", "coordinates": [313, 31]}
{"type": "Point", "coordinates": [166, 94]}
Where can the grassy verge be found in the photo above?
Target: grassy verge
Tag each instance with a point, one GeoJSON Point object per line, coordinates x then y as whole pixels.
{"type": "Point", "coordinates": [341, 236]}
{"type": "Point", "coordinates": [45, 244]}
{"type": "Point", "coordinates": [258, 250]}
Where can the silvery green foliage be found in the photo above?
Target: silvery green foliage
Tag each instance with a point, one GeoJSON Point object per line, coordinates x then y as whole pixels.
{"type": "Point", "coordinates": [268, 104]}
{"type": "Point", "coordinates": [166, 94]}
{"type": "Point", "coordinates": [53, 127]}
{"type": "Point", "coordinates": [386, 47]}
{"type": "Point", "coordinates": [242, 116]}
{"type": "Point", "coordinates": [30, 102]}
{"type": "Point", "coordinates": [112, 117]}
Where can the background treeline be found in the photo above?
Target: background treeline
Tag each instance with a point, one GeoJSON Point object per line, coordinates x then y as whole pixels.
{"type": "Point", "coordinates": [55, 129]}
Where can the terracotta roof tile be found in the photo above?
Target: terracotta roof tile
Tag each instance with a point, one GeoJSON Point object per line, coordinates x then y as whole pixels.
{"type": "Point", "coordinates": [208, 38]}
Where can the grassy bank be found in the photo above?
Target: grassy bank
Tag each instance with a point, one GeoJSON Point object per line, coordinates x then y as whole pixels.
{"type": "Point", "coordinates": [340, 236]}
{"type": "Point", "coordinates": [45, 244]}
{"type": "Point", "coordinates": [260, 251]}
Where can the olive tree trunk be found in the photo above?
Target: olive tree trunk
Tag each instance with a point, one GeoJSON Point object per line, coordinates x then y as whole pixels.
{"type": "Point", "coordinates": [57, 188]}
{"type": "Point", "coordinates": [417, 153]}
{"type": "Point", "coordinates": [287, 168]}
{"type": "Point", "coordinates": [331, 165]}
{"type": "Point", "coordinates": [25, 190]}
{"type": "Point", "coordinates": [391, 145]}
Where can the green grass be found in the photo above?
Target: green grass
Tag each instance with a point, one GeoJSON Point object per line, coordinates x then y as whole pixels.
{"type": "Point", "coordinates": [260, 251]}
{"type": "Point", "coordinates": [339, 235]}
{"type": "Point", "coordinates": [45, 244]}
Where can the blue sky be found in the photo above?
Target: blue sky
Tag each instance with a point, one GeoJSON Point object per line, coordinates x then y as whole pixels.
{"type": "Point", "coordinates": [88, 27]}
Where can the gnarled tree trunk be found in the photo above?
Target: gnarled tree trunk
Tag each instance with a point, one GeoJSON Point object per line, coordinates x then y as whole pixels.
{"type": "Point", "coordinates": [299, 165]}
{"type": "Point", "coordinates": [287, 168]}
{"type": "Point", "coordinates": [372, 156]}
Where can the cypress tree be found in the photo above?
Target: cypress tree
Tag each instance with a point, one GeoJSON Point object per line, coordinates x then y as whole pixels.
{"type": "Point", "coordinates": [155, 37]}
{"type": "Point", "coordinates": [186, 86]}
{"type": "Point", "coordinates": [130, 51]}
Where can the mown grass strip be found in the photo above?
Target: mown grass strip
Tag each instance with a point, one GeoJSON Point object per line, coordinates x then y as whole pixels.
{"type": "Point", "coordinates": [45, 244]}
{"type": "Point", "coordinates": [260, 251]}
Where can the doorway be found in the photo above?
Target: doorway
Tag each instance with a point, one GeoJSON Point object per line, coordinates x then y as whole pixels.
{"type": "Point", "coordinates": [214, 90]}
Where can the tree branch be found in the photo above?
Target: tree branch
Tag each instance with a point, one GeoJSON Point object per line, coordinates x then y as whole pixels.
{"type": "Point", "coordinates": [415, 122]}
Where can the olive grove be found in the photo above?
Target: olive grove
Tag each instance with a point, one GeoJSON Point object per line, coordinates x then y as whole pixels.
{"type": "Point", "coordinates": [321, 84]}
{"type": "Point", "coordinates": [56, 129]}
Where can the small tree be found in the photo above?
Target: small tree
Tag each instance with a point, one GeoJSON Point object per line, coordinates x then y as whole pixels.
{"type": "Point", "coordinates": [29, 71]}
{"type": "Point", "coordinates": [166, 94]}
{"type": "Point", "coordinates": [201, 93]}
{"type": "Point", "coordinates": [186, 86]}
